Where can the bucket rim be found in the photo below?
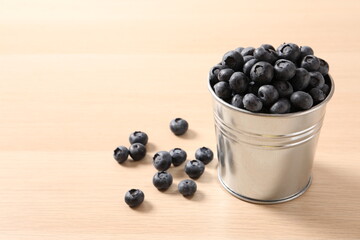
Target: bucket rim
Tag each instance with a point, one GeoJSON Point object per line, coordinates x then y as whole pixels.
{"type": "Point", "coordinates": [294, 114]}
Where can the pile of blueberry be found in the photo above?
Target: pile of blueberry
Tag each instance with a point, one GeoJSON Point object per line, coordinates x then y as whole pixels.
{"type": "Point", "coordinates": [265, 80]}
{"type": "Point", "coordinates": [162, 161]}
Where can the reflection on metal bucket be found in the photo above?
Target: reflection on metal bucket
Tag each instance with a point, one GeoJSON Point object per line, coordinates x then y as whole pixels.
{"type": "Point", "coordinates": [266, 158]}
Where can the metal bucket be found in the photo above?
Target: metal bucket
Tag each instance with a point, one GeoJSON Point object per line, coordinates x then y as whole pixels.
{"type": "Point", "coordinates": [266, 158]}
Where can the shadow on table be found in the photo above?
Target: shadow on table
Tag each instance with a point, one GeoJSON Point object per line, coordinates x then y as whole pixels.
{"type": "Point", "coordinates": [331, 205]}
{"type": "Point", "coordinates": [190, 134]}
{"type": "Point", "coordinates": [145, 207]}
{"type": "Point", "coordinates": [132, 164]}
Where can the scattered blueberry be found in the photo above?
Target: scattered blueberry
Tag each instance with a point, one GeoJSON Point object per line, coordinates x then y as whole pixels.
{"type": "Point", "coordinates": [178, 156]}
{"type": "Point", "coordinates": [248, 65]}
{"type": "Point", "coordinates": [121, 154]}
{"type": "Point", "coordinates": [268, 94]}
{"type": "Point", "coordinates": [222, 90]}
{"type": "Point", "coordinates": [252, 103]}
{"type": "Point", "coordinates": [284, 69]}
{"type": "Point", "coordinates": [284, 88]}
{"type": "Point", "coordinates": [137, 151]}
{"type": "Point", "coordinates": [179, 126]}
{"type": "Point", "coordinates": [310, 63]}
{"type": "Point", "coordinates": [204, 154]}
{"type": "Point", "coordinates": [162, 180]}
{"type": "Point", "coordinates": [237, 101]}
{"type": "Point", "coordinates": [316, 80]}
{"type": "Point", "coordinates": [283, 105]}
{"type": "Point", "coordinates": [247, 51]}
{"type": "Point", "coordinates": [301, 100]}
{"type": "Point", "coordinates": [324, 67]}
{"type": "Point", "coordinates": [225, 74]}
{"type": "Point", "coordinates": [234, 60]}
{"type": "Point", "coordinates": [134, 197]}
{"type": "Point", "coordinates": [289, 51]}
{"type": "Point", "coordinates": [301, 79]}
{"type": "Point", "coordinates": [138, 137]}
{"type": "Point", "coordinates": [194, 168]}
{"type": "Point", "coordinates": [187, 187]}
{"type": "Point", "coordinates": [162, 160]}
{"type": "Point", "coordinates": [238, 82]}
{"type": "Point", "coordinates": [262, 72]}
{"type": "Point", "coordinates": [317, 94]}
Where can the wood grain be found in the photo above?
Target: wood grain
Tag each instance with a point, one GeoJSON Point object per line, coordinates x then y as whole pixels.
{"type": "Point", "coordinates": [77, 77]}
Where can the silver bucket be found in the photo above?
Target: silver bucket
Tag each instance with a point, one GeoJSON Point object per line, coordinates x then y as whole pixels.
{"type": "Point", "coordinates": [266, 158]}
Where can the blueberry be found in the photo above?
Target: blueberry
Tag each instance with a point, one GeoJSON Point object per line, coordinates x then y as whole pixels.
{"type": "Point", "coordinates": [301, 100]}
{"type": "Point", "coordinates": [179, 126]}
{"type": "Point", "coordinates": [301, 79]}
{"type": "Point", "coordinates": [305, 50]}
{"type": "Point", "coordinates": [281, 106]}
{"type": "Point", "coordinates": [178, 156]}
{"type": "Point", "coordinates": [213, 73]}
{"type": "Point", "coordinates": [222, 90]}
{"type": "Point", "coordinates": [121, 154]}
{"type": "Point", "coordinates": [162, 160]}
{"type": "Point", "coordinates": [253, 87]}
{"type": "Point", "coordinates": [262, 73]}
{"type": "Point", "coordinates": [317, 94]}
{"type": "Point", "coordinates": [267, 55]}
{"type": "Point", "coordinates": [137, 151]}
{"type": "Point", "coordinates": [239, 49]}
{"type": "Point", "coordinates": [316, 80]}
{"type": "Point", "coordinates": [284, 88]}
{"type": "Point", "coordinates": [238, 82]}
{"type": "Point", "coordinates": [248, 58]}
{"type": "Point", "coordinates": [237, 101]}
{"type": "Point", "coordinates": [284, 69]}
{"type": "Point", "coordinates": [134, 197]}
{"type": "Point", "coordinates": [267, 46]}
{"type": "Point", "coordinates": [248, 65]}
{"type": "Point", "coordinates": [162, 180]}
{"type": "Point", "coordinates": [138, 137]}
{"type": "Point", "coordinates": [194, 168]}
{"type": "Point", "coordinates": [234, 60]}
{"type": "Point", "coordinates": [187, 187]}
{"type": "Point", "coordinates": [247, 51]}
{"type": "Point", "coordinates": [310, 63]}
{"type": "Point", "coordinates": [289, 51]}
{"type": "Point", "coordinates": [204, 154]}
{"type": "Point", "coordinates": [252, 102]}
{"type": "Point", "coordinates": [225, 74]}
{"type": "Point", "coordinates": [268, 94]}
{"type": "Point", "coordinates": [216, 69]}
{"type": "Point", "coordinates": [324, 67]}
{"type": "Point", "coordinates": [326, 89]}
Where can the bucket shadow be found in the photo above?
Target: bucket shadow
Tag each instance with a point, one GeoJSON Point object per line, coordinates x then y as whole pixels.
{"type": "Point", "coordinates": [331, 205]}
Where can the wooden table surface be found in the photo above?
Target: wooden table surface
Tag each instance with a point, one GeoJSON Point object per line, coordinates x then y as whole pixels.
{"type": "Point", "coordinates": [77, 77]}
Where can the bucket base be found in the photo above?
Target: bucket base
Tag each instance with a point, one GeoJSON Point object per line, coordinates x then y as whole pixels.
{"type": "Point", "coordinates": [257, 201]}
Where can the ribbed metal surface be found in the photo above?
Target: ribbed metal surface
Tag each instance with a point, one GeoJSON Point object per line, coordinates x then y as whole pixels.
{"type": "Point", "coordinates": [266, 158]}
